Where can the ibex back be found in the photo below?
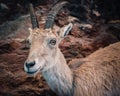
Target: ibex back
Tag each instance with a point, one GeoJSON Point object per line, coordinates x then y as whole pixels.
{"type": "Point", "coordinates": [98, 76]}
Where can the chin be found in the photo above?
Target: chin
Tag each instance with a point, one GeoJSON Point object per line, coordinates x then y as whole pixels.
{"type": "Point", "coordinates": [31, 72]}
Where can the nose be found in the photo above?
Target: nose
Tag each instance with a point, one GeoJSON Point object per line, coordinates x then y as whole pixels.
{"type": "Point", "coordinates": [30, 64]}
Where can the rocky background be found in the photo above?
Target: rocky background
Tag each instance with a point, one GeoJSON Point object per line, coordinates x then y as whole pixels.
{"type": "Point", "coordinates": [96, 25]}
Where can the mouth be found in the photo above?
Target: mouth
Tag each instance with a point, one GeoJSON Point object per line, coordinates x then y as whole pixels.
{"type": "Point", "coordinates": [33, 72]}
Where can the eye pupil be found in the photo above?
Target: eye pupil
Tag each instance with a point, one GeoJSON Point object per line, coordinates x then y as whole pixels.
{"type": "Point", "coordinates": [53, 42]}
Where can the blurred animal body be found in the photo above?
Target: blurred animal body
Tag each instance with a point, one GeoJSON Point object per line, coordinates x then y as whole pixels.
{"type": "Point", "coordinates": [98, 76]}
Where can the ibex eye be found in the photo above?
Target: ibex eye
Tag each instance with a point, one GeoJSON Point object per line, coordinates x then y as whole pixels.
{"type": "Point", "coordinates": [52, 41]}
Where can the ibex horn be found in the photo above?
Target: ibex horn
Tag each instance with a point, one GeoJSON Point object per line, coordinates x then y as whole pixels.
{"type": "Point", "coordinates": [51, 15]}
{"type": "Point", "coordinates": [33, 17]}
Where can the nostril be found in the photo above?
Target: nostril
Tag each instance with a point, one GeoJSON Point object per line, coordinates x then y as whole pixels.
{"type": "Point", "coordinates": [31, 64]}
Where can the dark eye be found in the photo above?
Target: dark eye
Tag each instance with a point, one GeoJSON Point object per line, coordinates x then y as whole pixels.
{"type": "Point", "coordinates": [52, 41]}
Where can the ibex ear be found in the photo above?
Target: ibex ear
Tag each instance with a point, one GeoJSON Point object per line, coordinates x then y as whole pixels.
{"type": "Point", "coordinates": [65, 30]}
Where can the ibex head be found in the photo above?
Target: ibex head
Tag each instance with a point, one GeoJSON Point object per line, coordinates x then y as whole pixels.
{"type": "Point", "coordinates": [44, 43]}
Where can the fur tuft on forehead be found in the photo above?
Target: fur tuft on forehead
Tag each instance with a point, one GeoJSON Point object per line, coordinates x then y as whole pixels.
{"type": "Point", "coordinates": [40, 33]}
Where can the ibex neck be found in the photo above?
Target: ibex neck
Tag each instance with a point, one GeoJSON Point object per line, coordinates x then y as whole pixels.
{"type": "Point", "coordinates": [60, 77]}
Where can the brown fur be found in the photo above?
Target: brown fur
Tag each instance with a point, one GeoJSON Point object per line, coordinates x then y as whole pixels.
{"type": "Point", "coordinates": [100, 75]}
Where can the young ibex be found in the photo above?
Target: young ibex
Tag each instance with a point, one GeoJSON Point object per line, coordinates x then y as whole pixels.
{"type": "Point", "coordinates": [98, 76]}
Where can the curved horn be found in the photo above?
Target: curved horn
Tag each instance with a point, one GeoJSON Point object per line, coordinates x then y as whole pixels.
{"type": "Point", "coordinates": [51, 15]}
{"type": "Point", "coordinates": [33, 17]}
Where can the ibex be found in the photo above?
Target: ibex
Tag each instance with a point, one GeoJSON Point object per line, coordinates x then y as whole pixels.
{"type": "Point", "coordinates": [99, 75]}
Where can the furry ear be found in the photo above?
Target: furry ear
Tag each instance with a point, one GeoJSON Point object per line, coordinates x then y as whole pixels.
{"type": "Point", "coordinates": [64, 31]}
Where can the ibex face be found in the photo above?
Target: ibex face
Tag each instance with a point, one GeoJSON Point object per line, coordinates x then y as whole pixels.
{"type": "Point", "coordinates": [44, 43]}
{"type": "Point", "coordinates": [44, 49]}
